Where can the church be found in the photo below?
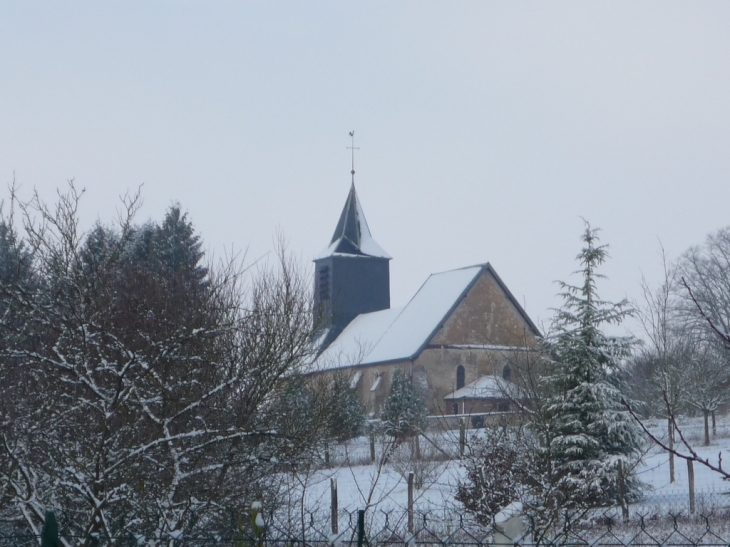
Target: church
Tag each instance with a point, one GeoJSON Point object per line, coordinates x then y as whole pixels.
{"type": "Point", "coordinates": [458, 339]}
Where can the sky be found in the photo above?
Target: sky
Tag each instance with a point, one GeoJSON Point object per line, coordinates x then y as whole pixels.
{"type": "Point", "coordinates": [487, 131]}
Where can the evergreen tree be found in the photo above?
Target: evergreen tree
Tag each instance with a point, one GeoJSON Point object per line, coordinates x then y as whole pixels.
{"type": "Point", "coordinates": [347, 414]}
{"type": "Point", "coordinates": [404, 412]}
{"type": "Point", "coordinates": [179, 247]}
{"type": "Point", "coordinates": [592, 443]}
{"type": "Point", "coordinates": [15, 266]}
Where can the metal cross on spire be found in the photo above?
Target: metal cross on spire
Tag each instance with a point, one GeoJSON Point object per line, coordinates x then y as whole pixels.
{"type": "Point", "coordinates": [352, 134]}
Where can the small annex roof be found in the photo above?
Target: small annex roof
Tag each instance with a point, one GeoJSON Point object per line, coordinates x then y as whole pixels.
{"type": "Point", "coordinates": [352, 236]}
{"type": "Point", "coordinates": [400, 333]}
{"type": "Point", "coordinates": [488, 387]}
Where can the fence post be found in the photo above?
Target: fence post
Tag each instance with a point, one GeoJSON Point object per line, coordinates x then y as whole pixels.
{"type": "Point", "coordinates": [334, 510]}
{"type": "Point", "coordinates": [670, 429]}
{"type": "Point", "coordinates": [372, 446]}
{"type": "Point", "coordinates": [691, 480]}
{"type": "Point", "coordinates": [257, 522]}
{"type": "Point", "coordinates": [49, 534]}
{"type": "Point", "coordinates": [622, 490]}
{"type": "Point", "coordinates": [410, 502]}
{"type": "Point", "coordinates": [418, 446]}
{"type": "Point", "coordinates": [462, 436]}
{"type": "Point", "coordinates": [361, 528]}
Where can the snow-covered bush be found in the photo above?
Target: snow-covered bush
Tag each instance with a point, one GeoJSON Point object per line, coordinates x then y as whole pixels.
{"type": "Point", "coordinates": [499, 471]}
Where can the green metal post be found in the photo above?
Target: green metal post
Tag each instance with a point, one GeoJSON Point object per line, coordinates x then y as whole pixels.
{"type": "Point", "coordinates": [361, 528]}
{"type": "Point", "coordinates": [49, 535]}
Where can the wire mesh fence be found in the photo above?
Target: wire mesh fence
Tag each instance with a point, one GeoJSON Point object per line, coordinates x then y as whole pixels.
{"type": "Point", "coordinates": [374, 528]}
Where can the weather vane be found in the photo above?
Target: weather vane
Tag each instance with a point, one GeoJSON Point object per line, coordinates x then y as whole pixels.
{"type": "Point", "coordinates": [352, 134]}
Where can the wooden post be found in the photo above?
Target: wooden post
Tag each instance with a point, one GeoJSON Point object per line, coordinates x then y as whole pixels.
{"type": "Point", "coordinates": [670, 430]}
{"type": "Point", "coordinates": [462, 437]}
{"type": "Point", "coordinates": [372, 446]}
{"type": "Point", "coordinates": [333, 504]}
{"type": "Point", "coordinates": [418, 446]}
{"type": "Point", "coordinates": [410, 502]}
{"type": "Point", "coordinates": [691, 480]}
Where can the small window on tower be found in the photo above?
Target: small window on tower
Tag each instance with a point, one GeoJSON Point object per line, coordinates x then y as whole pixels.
{"type": "Point", "coordinates": [324, 283]}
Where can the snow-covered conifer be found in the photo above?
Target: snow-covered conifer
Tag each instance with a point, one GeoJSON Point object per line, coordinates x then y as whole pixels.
{"type": "Point", "coordinates": [404, 412]}
{"type": "Point", "coordinates": [346, 412]}
{"type": "Point", "coordinates": [592, 441]}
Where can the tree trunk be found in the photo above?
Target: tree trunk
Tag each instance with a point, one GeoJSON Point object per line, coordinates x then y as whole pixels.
{"type": "Point", "coordinates": [714, 424]}
{"type": "Point", "coordinates": [706, 415]}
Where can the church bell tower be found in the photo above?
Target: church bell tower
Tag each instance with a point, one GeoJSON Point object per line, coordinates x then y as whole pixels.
{"type": "Point", "coordinates": [352, 274]}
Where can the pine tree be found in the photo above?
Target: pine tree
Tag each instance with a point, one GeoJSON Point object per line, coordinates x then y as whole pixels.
{"type": "Point", "coordinates": [593, 443]}
{"type": "Point", "coordinates": [347, 414]}
{"type": "Point", "coordinates": [15, 266]}
{"type": "Point", "coordinates": [404, 412]}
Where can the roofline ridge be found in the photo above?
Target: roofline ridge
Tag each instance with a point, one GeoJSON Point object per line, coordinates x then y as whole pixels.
{"type": "Point", "coordinates": [479, 265]}
{"type": "Point", "coordinates": [514, 301]}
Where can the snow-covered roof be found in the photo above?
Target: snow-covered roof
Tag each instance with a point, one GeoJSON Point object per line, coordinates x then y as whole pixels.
{"type": "Point", "coordinates": [352, 236]}
{"type": "Point", "coordinates": [514, 509]}
{"type": "Point", "coordinates": [488, 387]}
{"type": "Point", "coordinates": [399, 333]}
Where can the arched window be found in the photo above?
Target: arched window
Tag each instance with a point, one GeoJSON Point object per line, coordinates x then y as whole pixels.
{"type": "Point", "coordinates": [507, 372]}
{"type": "Point", "coordinates": [459, 377]}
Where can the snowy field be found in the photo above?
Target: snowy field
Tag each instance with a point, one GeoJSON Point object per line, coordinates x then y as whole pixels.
{"type": "Point", "coordinates": [383, 490]}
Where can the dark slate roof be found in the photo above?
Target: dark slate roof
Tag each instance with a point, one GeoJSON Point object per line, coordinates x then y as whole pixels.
{"type": "Point", "coordinates": [352, 235]}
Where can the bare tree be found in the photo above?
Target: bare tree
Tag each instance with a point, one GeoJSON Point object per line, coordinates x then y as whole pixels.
{"type": "Point", "coordinates": [662, 359]}
{"type": "Point", "coordinates": [705, 286]}
{"type": "Point", "coordinates": [692, 312]}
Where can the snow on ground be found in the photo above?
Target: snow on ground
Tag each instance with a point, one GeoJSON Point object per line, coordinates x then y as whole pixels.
{"type": "Point", "coordinates": [366, 486]}
{"type": "Point", "coordinates": [711, 490]}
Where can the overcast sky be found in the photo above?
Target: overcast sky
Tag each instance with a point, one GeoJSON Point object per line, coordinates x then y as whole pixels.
{"type": "Point", "coordinates": [486, 129]}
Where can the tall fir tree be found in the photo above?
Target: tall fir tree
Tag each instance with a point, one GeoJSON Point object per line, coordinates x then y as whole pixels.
{"type": "Point", "coordinates": [404, 412]}
{"type": "Point", "coordinates": [593, 444]}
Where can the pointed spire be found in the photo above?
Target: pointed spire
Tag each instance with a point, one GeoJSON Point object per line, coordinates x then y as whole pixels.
{"type": "Point", "coordinates": [352, 235]}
